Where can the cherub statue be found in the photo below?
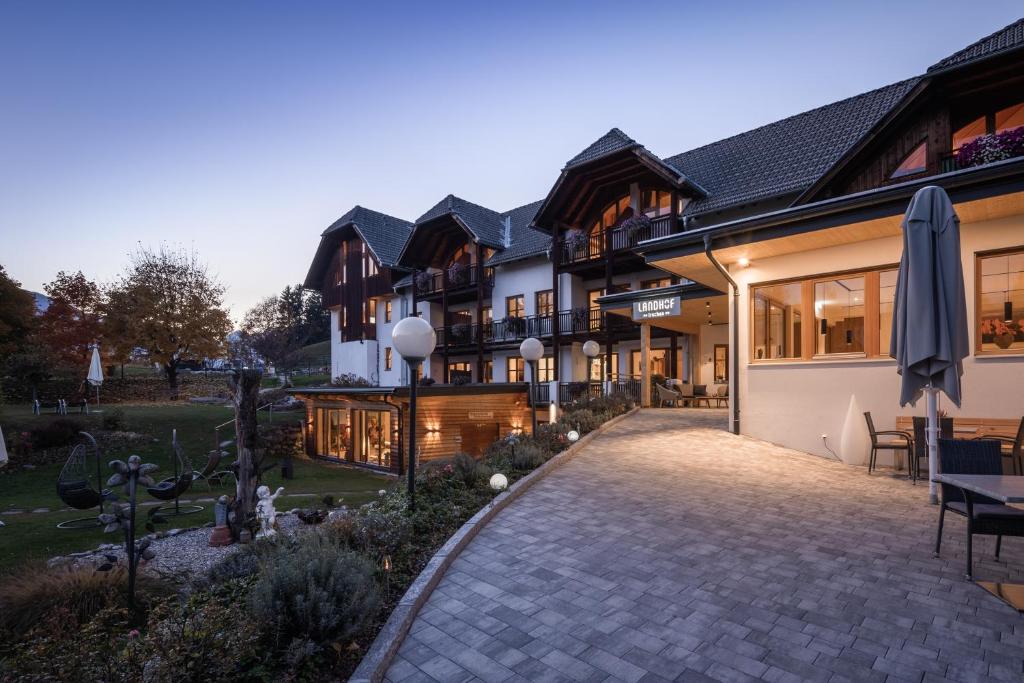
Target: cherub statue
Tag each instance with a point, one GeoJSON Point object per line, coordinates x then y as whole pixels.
{"type": "Point", "coordinates": [265, 511]}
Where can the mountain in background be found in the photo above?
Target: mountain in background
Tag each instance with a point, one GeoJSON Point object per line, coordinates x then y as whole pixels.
{"type": "Point", "coordinates": [42, 301]}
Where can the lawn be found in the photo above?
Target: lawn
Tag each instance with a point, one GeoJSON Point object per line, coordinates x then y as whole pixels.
{"type": "Point", "coordinates": [28, 536]}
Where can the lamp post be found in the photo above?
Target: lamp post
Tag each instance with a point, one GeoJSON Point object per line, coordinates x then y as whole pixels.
{"type": "Point", "coordinates": [532, 350]}
{"type": "Point", "coordinates": [414, 340]}
{"type": "Point", "coordinates": [590, 350]}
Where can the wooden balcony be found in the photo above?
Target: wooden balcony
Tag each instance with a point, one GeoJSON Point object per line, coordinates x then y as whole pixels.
{"type": "Point", "coordinates": [434, 285]}
{"type": "Point", "coordinates": [574, 323]}
{"type": "Point", "coordinates": [593, 246]}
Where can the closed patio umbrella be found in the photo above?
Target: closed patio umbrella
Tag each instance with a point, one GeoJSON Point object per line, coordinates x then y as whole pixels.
{"type": "Point", "coordinates": [3, 450]}
{"type": "Point", "coordinates": [95, 376]}
{"type": "Point", "coordinates": [929, 330]}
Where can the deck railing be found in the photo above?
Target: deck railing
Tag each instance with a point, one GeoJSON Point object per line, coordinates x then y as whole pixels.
{"type": "Point", "coordinates": [429, 284]}
{"type": "Point", "coordinates": [590, 246]}
{"type": "Point", "coordinates": [578, 321]}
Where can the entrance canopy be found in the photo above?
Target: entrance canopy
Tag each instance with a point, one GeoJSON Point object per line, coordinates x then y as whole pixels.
{"type": "Point", "coordinates": [679, 308]}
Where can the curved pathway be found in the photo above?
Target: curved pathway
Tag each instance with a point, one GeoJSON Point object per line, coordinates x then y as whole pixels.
{"type": "Point", "coordinates": [672, 550]}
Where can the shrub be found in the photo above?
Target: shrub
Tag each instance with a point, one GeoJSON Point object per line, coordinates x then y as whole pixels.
{"type": "Point", "coordinates": [583, 420]}
{"type": "Point", "coordinates": [465, 467]}
{"type": "Point", "coordinates": [348, 379]}
{"type": "Point", "coordinates": [317, 590]}
{"type": "Point", "coordinates": [55, 433]}
{"type": "Point", "coordinates": [77, 593]}
{"type": "Point", "coordinates": [114, 420]}
{"type": "Point", "coordinates": [528, 456]}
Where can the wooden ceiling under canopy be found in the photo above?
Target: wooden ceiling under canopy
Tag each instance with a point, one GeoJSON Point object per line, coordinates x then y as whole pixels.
{"type": "Point", "coordinates": [433, 243]}
{"type": "Point", "coordinates": [693, 314]}
{"type": "Point", "coordinates": [696, 266]}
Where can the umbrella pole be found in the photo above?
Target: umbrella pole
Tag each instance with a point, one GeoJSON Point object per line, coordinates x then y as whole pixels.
{"type": "Point", "coordinates": [932, 432]}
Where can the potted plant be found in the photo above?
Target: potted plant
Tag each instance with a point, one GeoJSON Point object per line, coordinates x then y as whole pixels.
{"type": "Point", "coordinates": [457, 273]}
{"type": "Point", "coordinates": [580, 318]}
{"type": "Point", "coordinates": [460, 332]}
{"type": "Point", "coordinates": [1000, 332]}
{"type": "Point", "coordinates": [514, 325]}
{"type": "Point", "coordinates": [424, 281]}
{"type": "Point", "coordinates": [575, 240]}
{"type": "Point", "coordinates": [987, 149]}
{"type": "Point", "coordinates": [636, 227]}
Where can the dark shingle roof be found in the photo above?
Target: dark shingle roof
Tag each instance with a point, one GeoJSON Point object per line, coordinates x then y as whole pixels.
{"type": "Point", "coordinates": [612, 141]}
{"type": "Point", "coordinates": [1006, 38]}
{"type": "Point", "coordinates": [385, 235]}
{"type": "Point", "coordinates": [786, 156]}
{"type": "Point", "coordinates": [486, 224]}
{"type": "Point", "coordinates": [524, 241]}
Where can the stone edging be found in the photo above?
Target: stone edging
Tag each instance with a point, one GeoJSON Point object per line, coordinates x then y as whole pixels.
{"type": "Point", "coordinates": [378, 658]}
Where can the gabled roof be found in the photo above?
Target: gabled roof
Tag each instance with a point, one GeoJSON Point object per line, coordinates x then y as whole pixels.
{"type": "Point", "coordinates": [612, 141]}
{"type": "Point", "coordinates": [524, 242]}
{"type": "Point", "coordinates": [385, 235]}
{"type": "Point", "coordinates": [487, 225]}
{"type": "Point", "coordinates": [1006, 38]}
{"type": "Point", "coordinates": [787, 156]}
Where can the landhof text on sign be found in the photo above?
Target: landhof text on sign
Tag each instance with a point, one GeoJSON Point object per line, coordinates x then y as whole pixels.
{"type": "Point", "coordinates": [661, 307]}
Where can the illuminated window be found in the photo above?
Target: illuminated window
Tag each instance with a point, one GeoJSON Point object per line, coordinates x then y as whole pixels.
{"type": "Point", "coordinates": [659, 362]}
{"type": "Point", "coordinates": [387, 357]}
{"type": "Point", "coordinates": [332, 433]}
{"type": "Point", "coordinates": [915, 162]}
{"type": "Point", "coordinates": [778, 317]}
{"type": "Point", "coordinates": [372, 311]}
{"type": "Point", "coordinates": [972, 131]}
{"type": "Point", "coordinates": [656, 284]}
{"type": "Point", "coordinates": [999, 309]}
{"type": "Point", "coordinates": [515, 306]}
{"type": "Point", "coordinates": [514, 369]}
{"type": "Point", "coordinates": [460, 372]}
{"type": "Point", "coordinates": [387, 311]}
{"type": "Point", "coordinates": [488, 314]}
{"type": "Point", "coordinates": [488, 371]}
{"type": "Point", "coordinates": [1010, 118]}
{"type": "Point", "coordinates": [886, 297]}
{"type": "Point", "coordinates": [839, 315]}
{"type": "Point", "coordinates": [546, 369]}
{"type": "Point", "coordinates": [656, 203]}
{"type": "Point", "coordinates": [545, 302]}
{"type": "Point", "coordinates": [344, 263]}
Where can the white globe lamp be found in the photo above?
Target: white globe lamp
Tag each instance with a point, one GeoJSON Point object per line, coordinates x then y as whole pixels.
{"type": "Point", "coordinates": [499, 482]}
{"type": "Point", "coordinates": [573, 436]}
{"type": "Point", "coordinates": [532, 350]}
{"type": "Point", "coordinates": [414, 340]}
{"type": "Point", "coordinates": [590, 349]}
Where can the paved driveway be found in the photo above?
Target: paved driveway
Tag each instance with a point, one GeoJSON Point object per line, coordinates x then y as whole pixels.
{"type": "Point", "coordinates": [672, 550]}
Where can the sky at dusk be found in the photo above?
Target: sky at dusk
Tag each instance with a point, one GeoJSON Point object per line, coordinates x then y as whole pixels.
{"type": "Point", "coordinates": [243, 129]}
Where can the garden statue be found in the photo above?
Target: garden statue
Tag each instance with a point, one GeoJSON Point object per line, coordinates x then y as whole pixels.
{"type": "Point", "coordinates": [221, 534]}
{"type": "Point", "coordinates": [265, 511]}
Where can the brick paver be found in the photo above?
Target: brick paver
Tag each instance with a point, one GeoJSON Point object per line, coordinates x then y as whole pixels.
{"type": "Point", "coordinates": [672, 550]}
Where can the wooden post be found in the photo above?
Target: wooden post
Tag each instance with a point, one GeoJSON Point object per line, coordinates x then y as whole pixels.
{"type": "Point", "coordinates": [479, 313]}
{"type": "Point", "coordinates": [555, 341]}
{"type": "Point", "coordinates": [245, 385]}
{"type": "Point", "coordinates": [606, 317]}
{"type": "Point", "coordinates": [445, 325]}
{"type": "Point", "coordinates": [673, 353]}
{"type": "Point", "coordinates": [645, 365]}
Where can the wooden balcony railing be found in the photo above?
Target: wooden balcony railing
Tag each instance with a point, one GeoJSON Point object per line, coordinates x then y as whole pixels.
{"type": "Point", "coordinates": [431, 284]}
{"type": "Point", "coordinates": [574, 322]}
{"type": "Point", "coordinates": [588, 247]}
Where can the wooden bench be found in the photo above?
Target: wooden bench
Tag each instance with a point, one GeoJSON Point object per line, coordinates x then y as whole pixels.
{"type": "Point", "coordinates": [970, 427]}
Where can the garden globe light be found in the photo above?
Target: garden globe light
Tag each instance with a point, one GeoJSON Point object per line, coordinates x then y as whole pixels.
{"type": "Point", "coordinates": [532, 350]}
{"type": "Point", "coordinates": [499, 482]}
{"type": "Point", "coordinates": [573, 436]}
{"type": "Point", "coordinates": [590, 349]}
{"type": "Point", "coordinates": [414, 340]}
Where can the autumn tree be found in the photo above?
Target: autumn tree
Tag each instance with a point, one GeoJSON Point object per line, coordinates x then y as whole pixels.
{"type": "Point", "coordinates": [17, 315]}
{"type": "Point", "coordinates": [71, 323]}
{"type": "Point", "coordinates": [280, 325]}
{"type": "Point", "coordinates": [176, 307]}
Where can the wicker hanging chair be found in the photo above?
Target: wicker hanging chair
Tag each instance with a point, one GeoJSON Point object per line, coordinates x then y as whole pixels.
{"type": "Point", "coordinates": [74, 487]}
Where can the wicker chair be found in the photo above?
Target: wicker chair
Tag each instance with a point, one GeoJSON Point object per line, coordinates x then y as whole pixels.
{"type": "Point", "coordinates": [1016, 454]}
{"type": "Point", "coordinates": [722, 396]}
{"type": "Point", "coordinates": [903, 444]}
{"type": "Point", "coordinates": [666, 395]}
{"type": "Point", "coordinates": [921, 441]}
{"type": "Point", "coordinates": [985, 515]}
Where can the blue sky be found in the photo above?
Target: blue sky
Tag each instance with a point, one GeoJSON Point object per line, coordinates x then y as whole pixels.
{"type": "Point", "coordinates": [243, 129]}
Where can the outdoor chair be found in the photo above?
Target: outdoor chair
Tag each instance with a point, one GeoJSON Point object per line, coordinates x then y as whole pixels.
{"type": "Point", "coordinates": [902, 443]}
{"type": "Point", "coordinates": [921, 441]}
{"type": "Point", "coordinates": [685, 391]}
{"type": "Point", "coordinates": [666, 395]}
{"type": "Point", "coordinates": [210, 474]}
{"type": "Point", "coordinates": [984, 515]}
{"type": "Point", "coordinates": [1016, 444]}
{"type": "Point", "coordinates": [722, 396]}
{"type": "Point", "coordinates": [700, 395]}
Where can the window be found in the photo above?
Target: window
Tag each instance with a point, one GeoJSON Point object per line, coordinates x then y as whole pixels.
{"type": "Point", "coordinates": [656, 203]}
{"type": "Point", "coordinates": [332, 433]}
{"type": "Point", "coordinates": [999, 304]}
{"type": "Point", "coordinates": [515, 306]}
{"type": "Point", "coordinates": [460, 372]}
{"type": "Point", "coordinates": [387, 357]}
{"type": "Point", "coordinates": [777, 321]}
{"type": "Point", "coordinates": [488, 315]}
{"type": "Point", "coordinates": [546, 369]}
{"type": "Point", "coordinates": [373, 311]}
{"type": "Point", "coordinates": [488, 371]}
{"type": "Point", "coordinates": [344, 263]}
{"type": "Point", "coordinates": [721, 363]}
{"type": "Point", "coordinates": [373, 445]}
{"type": "Point", "coordinates": [997, 121]}
{"type": "Point", "coordinates": [886, 297]}
{"type": "Point", "coordinates": [839, 315]}
{"type": "Point", "coordinates": [514, 369]}
{"type": "Point", "coordinates": [913, 163]}
{"type": "Point", "coordinates": [545, 303]}
{"type": "Point", "coordinates": [973, 130]}
{"type": "Point", "coordinates": [387, 311]}
{"type": "Point", "coordinates": [659, 362]}
{"type": "Point", "coordinates": [655, 284]}
{"type": "Point", "coordinates": [1010, 118]}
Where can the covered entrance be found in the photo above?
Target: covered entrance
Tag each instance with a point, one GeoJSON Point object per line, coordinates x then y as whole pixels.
{"type": "Point", "coordinates": [698, 313]}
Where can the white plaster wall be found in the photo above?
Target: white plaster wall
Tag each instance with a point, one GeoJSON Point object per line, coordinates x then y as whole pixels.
{"type": "Point", "coordinates": [356, 357]}
{"type": "Point", "coordinates": [709, 336]}
{"type": "Point", "coordinates": [520, 277]}
{"type": "Point", "coordinates": [794, 403]}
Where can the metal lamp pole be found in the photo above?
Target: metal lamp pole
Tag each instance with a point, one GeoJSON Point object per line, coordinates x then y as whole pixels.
{"type": "Point", "coordinates": [414, 339]}
{"type": "Point", "coordinates": [532, 350]}
{"type": "Point", "coordinates": [590, 350]}
{"type": "Point", "coordinates": [414, 366]}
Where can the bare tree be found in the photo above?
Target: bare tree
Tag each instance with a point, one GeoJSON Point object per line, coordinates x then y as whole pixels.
{"type": "Point", "coordinates": [245, 385]}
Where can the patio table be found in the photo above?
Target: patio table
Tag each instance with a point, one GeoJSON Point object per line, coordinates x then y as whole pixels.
{"type": "Point", "coordinates": [1007, 489]}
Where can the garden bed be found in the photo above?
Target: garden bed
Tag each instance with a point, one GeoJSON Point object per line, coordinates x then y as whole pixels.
{"type": "Point", "coordinates": [305, 607]}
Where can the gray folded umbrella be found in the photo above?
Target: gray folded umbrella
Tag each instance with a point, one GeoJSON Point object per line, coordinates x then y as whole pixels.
{"type": "Point", "coordinates": [930, 337]}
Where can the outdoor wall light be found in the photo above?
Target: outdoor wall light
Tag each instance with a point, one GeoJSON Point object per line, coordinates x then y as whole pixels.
{"type": "Point", "coordinates": [744, 262]}
{"type": "Point", "coordinates": [414, 339]}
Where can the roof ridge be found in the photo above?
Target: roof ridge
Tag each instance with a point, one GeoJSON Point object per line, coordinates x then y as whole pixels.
{"type": "Point", "coordinates": [951, 60]}
{"type": "Point", "coordinates": [670, 159]}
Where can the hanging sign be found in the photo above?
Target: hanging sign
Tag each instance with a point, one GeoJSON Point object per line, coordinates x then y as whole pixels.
{"type": "Point", "coordinates": [661, 307]}
{"type": "Point", "coordinates": [481, 415]}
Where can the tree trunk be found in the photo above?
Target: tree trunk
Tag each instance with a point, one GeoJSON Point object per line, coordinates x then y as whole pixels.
{"type": "Point", "coordinates": [245, 385]}
{"type": "Point", "coordinates": [172, 378]}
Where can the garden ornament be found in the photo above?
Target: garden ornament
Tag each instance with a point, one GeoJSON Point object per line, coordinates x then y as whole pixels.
{"type": "Point", "coordinates": [221, 534]}
{"type": "Point", "coordinates": [499, 482]}
{"type": "Point", "coordinates": [265, 511]}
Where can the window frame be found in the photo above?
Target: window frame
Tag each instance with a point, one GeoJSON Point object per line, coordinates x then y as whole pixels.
{"type": "Point", "coordinates": [521, 367]}
{"type": "Point", "coordinates": [809, 326]}
{"type": "Point", "coordinates": [521, 307]}
{"type": "Point", "coordinates": [549, 294]}
{"type": "Point", "coordinates": [388, 358]}
{"type": "Point", "coordinates": [387, 310]}
{"type": "Point", "coordinates": [979, 349]}
{"type": "Point", "coordinates": [892, 175]}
